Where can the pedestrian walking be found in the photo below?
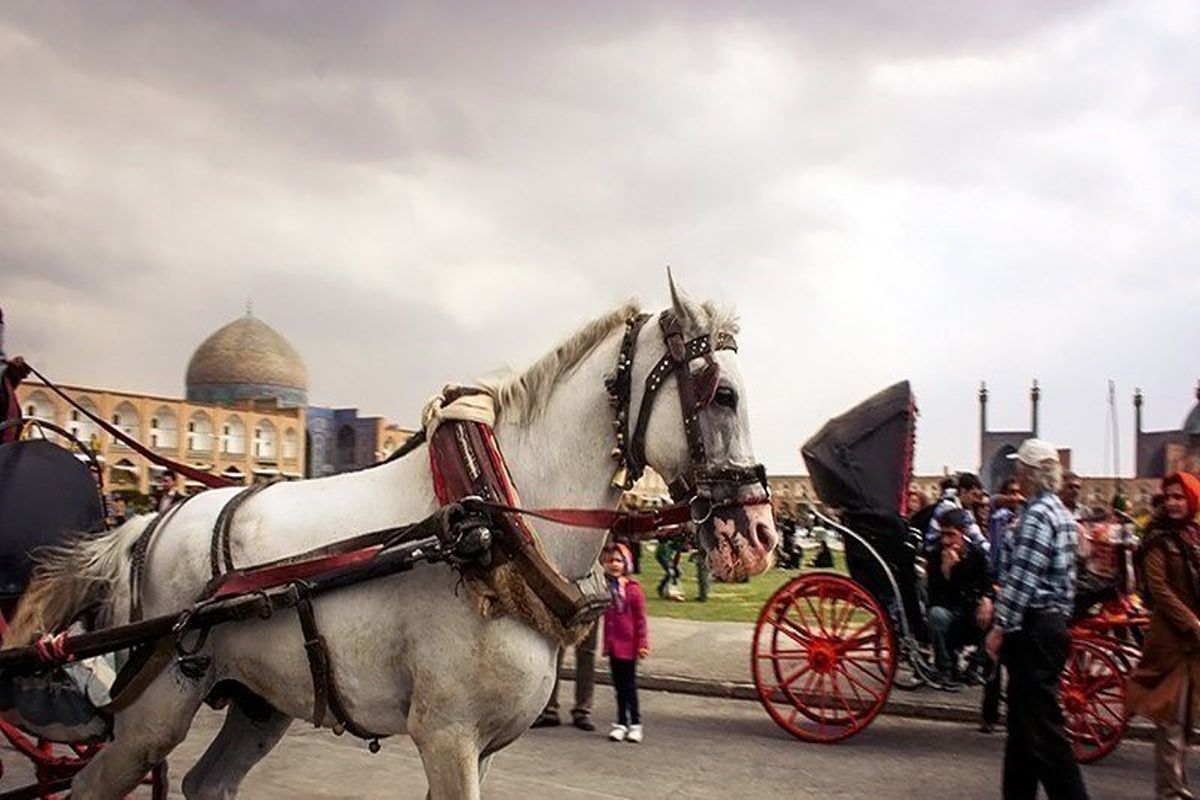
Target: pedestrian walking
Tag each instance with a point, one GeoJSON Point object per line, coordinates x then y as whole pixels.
{"type": "Point", "coordinates": [1163, 688]}
{"type": "Point", "coordinates": [625, 641]}
{"type": "Point", "coordinates": [1035, 602]}
{"type": "Point", "coordinates": [1001, 529]}
{"type": "Point", "coordinates": [170, 492]}
{"type": "Point", "coordinates": [667, 552]}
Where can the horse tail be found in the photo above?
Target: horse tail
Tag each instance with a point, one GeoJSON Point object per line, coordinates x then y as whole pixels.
{"type": "Point", "coordinates": [68, 578]}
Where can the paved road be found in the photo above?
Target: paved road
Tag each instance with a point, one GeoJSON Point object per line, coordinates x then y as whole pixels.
{"type": "Point", "coordinates": [695, 748]}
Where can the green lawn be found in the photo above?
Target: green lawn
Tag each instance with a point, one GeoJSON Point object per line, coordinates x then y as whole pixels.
{"type": "Point", "coordinates": [727, 602]}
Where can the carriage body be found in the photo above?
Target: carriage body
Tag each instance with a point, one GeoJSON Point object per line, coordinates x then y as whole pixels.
{"type": "Point", "coordinates": [48, 492]}
{"type": "Point", "coordinates": [828, 648]}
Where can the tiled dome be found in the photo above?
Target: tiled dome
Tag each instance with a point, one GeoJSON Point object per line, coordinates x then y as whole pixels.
{"type": "Point", "coordinates": [247, 359]}
{"type": "Point", "coordinates": [1191, 425]}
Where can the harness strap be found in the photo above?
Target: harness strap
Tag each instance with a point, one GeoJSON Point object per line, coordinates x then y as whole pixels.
{"type": "Point", "coordinates": [326, 697]}
{"type": "Point", "coordinates": [619, 387]}
{"type": "Point", "coordinates": [466, 462]}
{"type": "Point", "coordinates": [695, 391]}
{"type": "Point", "coordinates": [141, 547]}
{"type": "Point", "coordinates": [221, 552]}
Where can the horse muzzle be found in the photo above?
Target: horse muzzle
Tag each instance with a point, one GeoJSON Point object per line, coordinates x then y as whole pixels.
{"type": "Point", "coordinates": [731, 510]}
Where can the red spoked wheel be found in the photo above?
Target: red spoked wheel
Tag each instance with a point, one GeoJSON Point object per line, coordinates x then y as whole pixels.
{"type": "Point", "coordinates": [1091, 692]}
{"type": "Point", "coordinates": [823, 657]}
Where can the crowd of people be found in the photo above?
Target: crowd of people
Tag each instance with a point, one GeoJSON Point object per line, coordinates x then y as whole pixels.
{"type": "Point", "coordinates": [1007, 574]}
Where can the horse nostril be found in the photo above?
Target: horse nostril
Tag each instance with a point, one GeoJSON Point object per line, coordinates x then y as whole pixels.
{"type": "Point", "coordinates": [764, 536]}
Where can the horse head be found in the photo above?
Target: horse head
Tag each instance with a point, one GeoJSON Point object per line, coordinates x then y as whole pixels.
{"type": "Point", "coordinates": [697, 434]}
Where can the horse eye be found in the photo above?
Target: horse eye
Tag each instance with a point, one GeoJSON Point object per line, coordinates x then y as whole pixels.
{"type": "Point", "coordinates": [726, 396]}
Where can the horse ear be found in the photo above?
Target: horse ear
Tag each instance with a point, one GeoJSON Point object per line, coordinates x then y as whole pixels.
{"type": "Point", "coordinates": [684, 308]}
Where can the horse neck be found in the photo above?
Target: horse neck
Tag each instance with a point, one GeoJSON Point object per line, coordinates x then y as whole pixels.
{"type": "Point", "coordinates": [561, 458]}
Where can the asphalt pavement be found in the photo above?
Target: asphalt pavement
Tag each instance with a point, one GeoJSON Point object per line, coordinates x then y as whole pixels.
{"type": "Point", "coordinates": [704, 748]}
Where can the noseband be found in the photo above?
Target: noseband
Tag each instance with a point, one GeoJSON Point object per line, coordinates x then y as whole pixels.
{"type": "Point", "coordinates": [703, 488]}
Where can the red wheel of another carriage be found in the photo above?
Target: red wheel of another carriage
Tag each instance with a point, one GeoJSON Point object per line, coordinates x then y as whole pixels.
{"type": "Point", "coordinates": [1091, 692]}
{"type": "Point", "coordinates": [823, 657]}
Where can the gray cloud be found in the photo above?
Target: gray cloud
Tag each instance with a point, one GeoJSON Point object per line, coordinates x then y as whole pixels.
{"type": "Point", "coordinates": [948, 192]}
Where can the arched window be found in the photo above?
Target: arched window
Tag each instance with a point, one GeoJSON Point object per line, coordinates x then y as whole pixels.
{"type": "Point", "coordinates": [347, 446]}
{"type": "Point", "coordinates": [125, 418]}
{"type": "Point", "coordinates": [233, 437]}
{"type": "Point", "coordinates": [164, 429]}
{"type": "Point", "coordinates": [80, 426]}
{"type": "Point", "coordinates": [38, 406]}
{"type": "Point", "coordinates": [264, 439]}
{"type": "Point", "coordinates": [290, 443]}
{"type": "Point", "coordinates": [124, 473]}
{"type": "Point", "coordinates": [234, 474]}
{"type": "Point", "coordinates": [199, 433]}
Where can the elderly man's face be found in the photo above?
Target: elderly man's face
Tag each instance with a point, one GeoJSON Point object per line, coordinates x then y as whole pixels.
{"type": "Point", "coordinates": [1026, 479]}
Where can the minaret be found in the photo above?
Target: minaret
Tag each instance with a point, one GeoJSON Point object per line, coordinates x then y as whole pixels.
{"type": "Point", "coordinates": [1137, 432]}
{"type": "Point", "coordinates": [1034, 395]}
{"type": "Point", "coordinates": [983, 395]}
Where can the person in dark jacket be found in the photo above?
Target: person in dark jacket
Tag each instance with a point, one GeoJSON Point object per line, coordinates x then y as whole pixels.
{"type": "Point", "coordinates": [960, 605]}
{"type": "Point", "coordinates": [824, 557]}
{"type": "Point", "coordinates": [1164, 687]}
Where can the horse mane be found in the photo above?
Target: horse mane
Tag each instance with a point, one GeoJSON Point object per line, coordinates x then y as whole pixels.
{"type": "Point", "coordinates": [525, 395]}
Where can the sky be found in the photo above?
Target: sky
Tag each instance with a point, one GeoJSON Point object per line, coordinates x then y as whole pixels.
{"type": "Point", "coordinates": [416, 193]}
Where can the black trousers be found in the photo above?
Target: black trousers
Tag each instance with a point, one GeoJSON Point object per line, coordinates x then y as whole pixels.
{"type": "Point", "coordinates": [624, 677]}
{"type": "Point", "coordinates": [1037, 750]}
{"type": "Point", "coordinates": [991, 697]}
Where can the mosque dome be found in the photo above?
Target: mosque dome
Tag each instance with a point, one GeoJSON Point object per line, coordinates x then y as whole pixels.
{"type": "Point", "coordinates": [1191, 425]}
{"type": "Point", "coordinates": [247, 360]}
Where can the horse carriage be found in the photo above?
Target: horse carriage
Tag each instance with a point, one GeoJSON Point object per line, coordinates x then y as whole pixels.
{"type": "Point", "coordinates": [324, 600]}
{"type": "Point", "coordinates": [828, 648]}
{"type": "Point", "coordinates": [48, 489]}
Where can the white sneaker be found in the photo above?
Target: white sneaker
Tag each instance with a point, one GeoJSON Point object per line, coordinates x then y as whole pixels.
{"type": "Point", "coordinates": [635, 734]}
{"type": "Point", "coordinates": [618, 732]}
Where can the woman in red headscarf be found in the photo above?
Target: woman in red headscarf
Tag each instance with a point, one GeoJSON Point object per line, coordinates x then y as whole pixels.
{"type": "Point", "coordinates": [1165, 687]}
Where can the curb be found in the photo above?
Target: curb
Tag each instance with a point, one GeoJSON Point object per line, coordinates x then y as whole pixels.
{"type": "Point", "coordinates": [900, 707]}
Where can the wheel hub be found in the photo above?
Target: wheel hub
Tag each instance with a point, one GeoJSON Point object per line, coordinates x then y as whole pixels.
{"type": "Point", "coordinates": [1074, 700]}
{"type": "Point", "coordinates": [823, 657]}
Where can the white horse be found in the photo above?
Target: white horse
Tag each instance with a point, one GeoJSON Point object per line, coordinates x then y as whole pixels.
{"type": "Point", "coordinates": [411, 653]}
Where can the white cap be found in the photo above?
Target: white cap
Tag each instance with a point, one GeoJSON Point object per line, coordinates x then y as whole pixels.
{"type": "Point", "coordinates": [1035, 453]}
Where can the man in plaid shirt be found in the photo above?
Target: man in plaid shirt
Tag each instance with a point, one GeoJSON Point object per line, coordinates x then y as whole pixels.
{"type": "Point", "coordinates": [1037, 594]}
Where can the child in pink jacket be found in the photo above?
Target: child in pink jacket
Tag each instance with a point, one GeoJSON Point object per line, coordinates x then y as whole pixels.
{"type": "Point", "coordinates": [624, 641]}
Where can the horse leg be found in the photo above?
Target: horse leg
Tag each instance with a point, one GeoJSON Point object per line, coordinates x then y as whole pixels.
{"type": "Point", "coordinates": [143, 735]}
{"type": "Point", "coordinates": [251, 729]}
{"type": "Point", "coordinates": [451, 759]}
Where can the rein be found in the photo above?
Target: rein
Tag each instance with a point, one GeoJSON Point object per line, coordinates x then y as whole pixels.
{"type": "Point", "coordinates": [206, 478]}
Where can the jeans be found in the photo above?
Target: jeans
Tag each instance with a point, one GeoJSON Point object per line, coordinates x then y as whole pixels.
{"type": "Point", "coordinates": [949, 629]}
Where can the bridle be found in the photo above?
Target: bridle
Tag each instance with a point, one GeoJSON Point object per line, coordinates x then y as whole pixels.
{"type": "Point", "coordinates": [701, 488]}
